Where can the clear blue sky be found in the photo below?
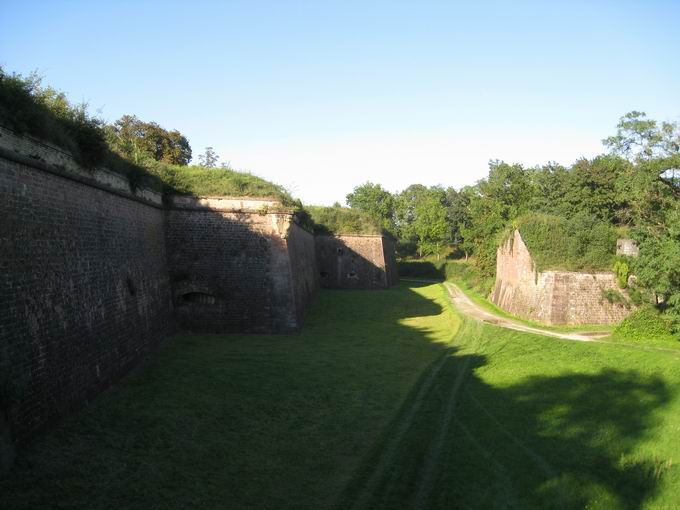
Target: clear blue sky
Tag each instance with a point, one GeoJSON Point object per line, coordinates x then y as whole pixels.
{"type": "Point", "coordinates": [322, 96]}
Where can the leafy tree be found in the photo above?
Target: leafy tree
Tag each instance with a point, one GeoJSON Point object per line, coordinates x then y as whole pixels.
{"type": "Point", "coordinates": [639, 138]}
{"type": "Point", "coordinates": [374, 200]}
{"type": "Point", "coordinates": [404, 212]}
{"type": "Point", "coordinates": [457, 213]}
{"type": "Point", "coordinates": [137, 141]}
{"type": "Point", "coordinates": [209, 158]}
{"type": "Point", "coordinates": [430, 223]}
{"type": "Point", "coordinates": [598, 188]}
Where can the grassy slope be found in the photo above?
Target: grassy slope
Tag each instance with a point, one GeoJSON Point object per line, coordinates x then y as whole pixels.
{"type": "Point", "coordinates": [342, 220]}
{"type": "Point", "coordinates": [375, 412]}
{"type": "Point", "coordinates": [201, 181]}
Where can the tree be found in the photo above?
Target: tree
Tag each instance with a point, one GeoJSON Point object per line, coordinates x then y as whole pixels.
{"type": "Point", "coordinates": [598, 187]}
{"type": "Point", "coordinates": [430, 224]}
{"type": "Point", "coordinates": [374, 200]}
{"type": "Point", "coordinates": [457, 213]}
{"type": "Point", "coordinates": [209, 158]}
{"type": "Point", "coordinates": [137, 140]}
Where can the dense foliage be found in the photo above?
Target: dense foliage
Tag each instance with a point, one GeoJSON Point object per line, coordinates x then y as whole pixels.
{"type": "Point", "coordinates": [569, 217]}
{"type": "Point", "coordinates": [138, 141]}
{"type": "Point", "coordinates": [341, 220]}
{"type": "Point", "coordinates": [582, 243]}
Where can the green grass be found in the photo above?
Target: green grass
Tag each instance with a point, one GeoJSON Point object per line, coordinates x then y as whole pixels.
{"type": "Point", "coordinates": [646, 326]}
{"type": "Point", "coordinates": [467, 278]}
{"type": "Point", "coordinates": [386, 400]}
{"type": "Point", "coordinates": [196, 180]}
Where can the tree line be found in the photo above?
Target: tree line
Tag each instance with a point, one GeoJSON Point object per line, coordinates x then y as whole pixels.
{"type": "Point", "coordinates": [631, 190]}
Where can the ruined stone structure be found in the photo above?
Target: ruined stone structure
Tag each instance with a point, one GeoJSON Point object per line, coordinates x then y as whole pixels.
{"type": "Point", "coordinates": [551, 297]}
{"type": "Point", "coordinates": [627, 248]}
{"type": "Point", "coordinates": [95, 274]}
{"type": "Point", "coordinates": [356, 261]}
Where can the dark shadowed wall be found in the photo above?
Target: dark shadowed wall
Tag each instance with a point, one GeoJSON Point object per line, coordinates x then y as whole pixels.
{"type": "Point", "coordinates": [236, 267]}
{"type": "Point", "coordinates": [356, 262]}
{"type": "Point", "coordinates": [85, 293]}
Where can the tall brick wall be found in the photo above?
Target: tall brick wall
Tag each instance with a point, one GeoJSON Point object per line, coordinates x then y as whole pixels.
{"type": "Point", "coordinates": [235, 267]}
{"type": "Point", "coordinates": [551, 297]}
{"type": "Point", "coordinates": [85, 293]}
{"type": "Point", "coordinates": [356, 262]}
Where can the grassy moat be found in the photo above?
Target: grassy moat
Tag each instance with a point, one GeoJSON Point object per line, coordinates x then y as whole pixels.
{"type": "Point", "coordinates": [387, 399]}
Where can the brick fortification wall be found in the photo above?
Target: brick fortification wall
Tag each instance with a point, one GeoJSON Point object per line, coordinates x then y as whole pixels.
{"type": "Point", "coordinates": [356, 261]}
{"type": "Point", "coordinates": [95, 274]}
{"type": "Point", "coordinates": [85, 291]}
{"type": "Point", "coordinates": [551, 297]}
{"type": "Point", "coordinates": [235, 267]}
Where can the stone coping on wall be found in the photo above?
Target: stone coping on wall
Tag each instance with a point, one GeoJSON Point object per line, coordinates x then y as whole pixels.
{"type": "Point", "coordinates": [355, 235]}
{"type": "Point", "coordinates": [44, 156]}
{"type": "Point", "coordinates": [259, 205]}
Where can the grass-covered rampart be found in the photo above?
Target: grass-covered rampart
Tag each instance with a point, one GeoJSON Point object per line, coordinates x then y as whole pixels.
{"type": "Point", "coordinates": [27, 107]}
{"type": "Point", "coordinates": [342, 220]}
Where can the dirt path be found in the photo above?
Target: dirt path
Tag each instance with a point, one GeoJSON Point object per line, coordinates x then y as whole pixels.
{"type": "Point", "coordinates": [472, 309]}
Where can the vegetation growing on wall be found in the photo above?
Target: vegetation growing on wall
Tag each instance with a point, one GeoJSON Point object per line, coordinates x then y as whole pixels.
{"type": "Point", "coordinates": [29, 107]}
{"type": "Point", "coordinates": [341, 220]}
{"type": "Point", "coordinates": [582, 243]}
{"type": "Point", "coordinates": [144, 152]}
{"type": "Point", "coordinates": [196, 180]}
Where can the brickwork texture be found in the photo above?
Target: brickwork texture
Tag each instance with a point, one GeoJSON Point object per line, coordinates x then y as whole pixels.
{"type": "Point", "coordinates": [552, 297]}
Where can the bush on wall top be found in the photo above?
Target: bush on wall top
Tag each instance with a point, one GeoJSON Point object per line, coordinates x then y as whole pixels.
{"type": "Point", "coordinates": [581, 243]}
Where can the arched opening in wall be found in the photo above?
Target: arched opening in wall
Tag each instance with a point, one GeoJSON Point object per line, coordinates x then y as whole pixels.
{"type": "Point", "coordinates": [198, 298]}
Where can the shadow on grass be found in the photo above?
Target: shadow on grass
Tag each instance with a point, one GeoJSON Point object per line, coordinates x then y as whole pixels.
{"type": "Point", "coordinates": [422, 269]}
{"type": "Point", "coordinates": [371, 406]}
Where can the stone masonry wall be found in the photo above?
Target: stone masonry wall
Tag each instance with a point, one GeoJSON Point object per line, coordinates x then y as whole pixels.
{"type": "Point", "coordinates": [244, 270]}
{"type": "Point", "coordinates": [85, 293]}
{"type": "Point", "coordinates": [551, 297]}
{"type": "Point", "coordinates": [356, 262]}
{"type": "Point", "coordinates": [304, 269]}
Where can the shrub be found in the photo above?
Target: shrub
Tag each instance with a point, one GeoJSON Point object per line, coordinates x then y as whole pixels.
{"type": "Point", "coordinates": [645, 324]}
{"type": "Point", "coordinates": [622, 272]}
{"type": "Point", "coordinates": [614, 297]}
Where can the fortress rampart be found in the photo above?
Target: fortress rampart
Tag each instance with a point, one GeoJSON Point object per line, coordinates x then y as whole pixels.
{"type": "Point", "coordinates": [96, 273]}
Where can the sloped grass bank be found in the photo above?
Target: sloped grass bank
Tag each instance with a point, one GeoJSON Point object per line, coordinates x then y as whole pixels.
{"type": "Point", "coordinates": [375, 405]}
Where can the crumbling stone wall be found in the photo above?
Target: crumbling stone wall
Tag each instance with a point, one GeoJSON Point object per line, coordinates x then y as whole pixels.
{"type": "Point", "coordinates": [627, 247]}
{"type": "Point", "coordinates": [84, 288]}
{"type": "Point", "coordinates": [551, 297]}
{"type": "Point", "coordinates": [238, 266]}
{"type": "Point", "coordinates": [356, 261]}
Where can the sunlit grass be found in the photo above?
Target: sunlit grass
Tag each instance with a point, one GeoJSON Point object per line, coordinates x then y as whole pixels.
{"type": "Point", "coordinates": [386, 400]}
